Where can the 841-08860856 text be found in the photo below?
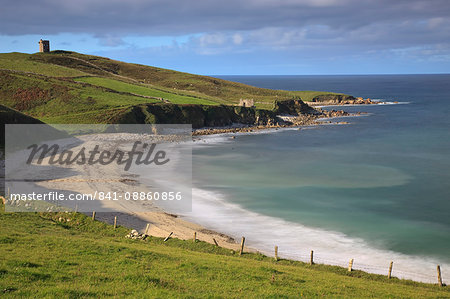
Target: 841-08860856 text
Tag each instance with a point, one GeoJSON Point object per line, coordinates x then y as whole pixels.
{"type": "Point", "coordinates": [58, 196]}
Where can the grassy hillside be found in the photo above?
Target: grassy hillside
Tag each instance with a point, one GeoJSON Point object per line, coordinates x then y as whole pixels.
{"type": "Point", "coordinates": [46, 255]}
{"type": "Point", "coordinates": [62, 86]}
{"type": "Point", "coordinates": [22, 62]}
{"type": "Point", "coordinates": [46, 97]}
{"type": "Point", "coordinates": [144, 91]}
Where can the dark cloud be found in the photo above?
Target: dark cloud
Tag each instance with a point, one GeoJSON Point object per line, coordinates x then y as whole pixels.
{"type": "Point", "coordinates": [178, 17]}
{"type": "Point", "coordinates": [237, 26]}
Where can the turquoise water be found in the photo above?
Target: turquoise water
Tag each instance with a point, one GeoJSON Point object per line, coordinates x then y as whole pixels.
{"type": "Point", "coordinates": [381, 182]}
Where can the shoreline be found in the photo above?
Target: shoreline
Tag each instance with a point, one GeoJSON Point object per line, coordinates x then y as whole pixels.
{"type": "Point", "coordinates": [356, 102]}
{"type": "Point", "coordinates": [162, 223]}
{"type": "Point", "coordinates": [132, 214]}
{"type": "Point", "coordinates": [288, 121]}
{"type": "Point", "coordinates": [368, 258]}
{"type": "Point", "coordinates": [299, 121]}
{"type": "Point", "coordinates": [412, 267]}
{"type": "Point", "coordinates": [295, 241]}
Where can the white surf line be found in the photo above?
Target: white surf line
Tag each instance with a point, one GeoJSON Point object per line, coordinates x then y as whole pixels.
{"type": "Point", "coordinates": [212, 210]}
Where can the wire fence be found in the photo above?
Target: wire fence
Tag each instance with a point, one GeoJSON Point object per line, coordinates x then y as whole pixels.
{"type": "Point", "coordinates": [402, 274]}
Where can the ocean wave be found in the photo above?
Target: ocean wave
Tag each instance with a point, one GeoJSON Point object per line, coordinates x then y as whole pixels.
{"type": "Point", "coordinates": [215, 139]}
{"type": "Point", "coordinates": [381, 102]}
{"type": "Point", "coordinates": [389, 102]}
{"type": "Point", "coordinates": [212, 210]}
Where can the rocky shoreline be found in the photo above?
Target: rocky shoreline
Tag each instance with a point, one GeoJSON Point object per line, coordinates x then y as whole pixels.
{"type": "Point", "coordinates": [285, 121]}
{"type": "Point", "coordinates": [345, 101]}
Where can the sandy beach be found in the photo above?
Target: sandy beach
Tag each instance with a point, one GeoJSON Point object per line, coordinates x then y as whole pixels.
{"type": "Point", "coordinates": [91, 178]}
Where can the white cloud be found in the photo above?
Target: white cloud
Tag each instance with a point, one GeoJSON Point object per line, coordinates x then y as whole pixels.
{"type": "Point", "coordinates": [215, 39]}
{"type": "Point", "coordinates": [110, 40]}
{"type": "Point", "coordinates": [237, 39]}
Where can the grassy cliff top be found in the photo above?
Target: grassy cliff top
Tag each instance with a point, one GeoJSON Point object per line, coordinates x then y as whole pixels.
{"type": "Point", "coordinates": [48, 85]}
{"type": "Point", "coordinates": [56, 255]}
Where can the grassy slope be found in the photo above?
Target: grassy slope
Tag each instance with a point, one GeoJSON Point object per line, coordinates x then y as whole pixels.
{"type": "Point", "coordinates": [222, 90]}
{"type": "Point", "coordinates": [144, 90]}
{"type": "Point", "coordinates": [46, 98]}
{"type": "Point", "coordinates": [21, 62]}
{"type": "Point", "coordinates": [177, 87]}
{"type": "Point", "coordinates": [42, 257]}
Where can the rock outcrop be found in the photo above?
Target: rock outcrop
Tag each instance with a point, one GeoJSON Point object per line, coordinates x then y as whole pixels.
{"type": "Point", "coordinates": [135, 235]}
{"type": "Point", "coordinates": [339, 99]}
{"type": "Point", "coordinates": [294, 107]}
{"type": "Point", "coordinates": [335, 113]}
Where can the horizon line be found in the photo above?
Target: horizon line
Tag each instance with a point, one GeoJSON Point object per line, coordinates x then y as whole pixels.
{"type": "Point", "coordinates": [377, 74]}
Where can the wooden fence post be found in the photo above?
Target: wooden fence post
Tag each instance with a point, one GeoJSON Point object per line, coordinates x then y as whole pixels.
{"type": "Point", "coordinates": [93, 215]}
{"type": "Point", "coordinates": [390, 269]}
{"type": "Point", "coordinates": [439, 276]}
{"type": "Point", "coordinates": [76, 208]}
{"type": "Point", "coordinates": [276, 253]}
{"type": "Point", "coordinates": [215, 242]}
{"type": "Point", "coordinates": [311, 260]}
{"type": "Point", "coordinates": [168, 237]}
{"type": "Point", "coordinates": [350, 265]}
{"type": "Point", "coordinates": [115, 222]}
{"type": "Point", "coordinates": [195, 237]}
{"type": "Point", "coordinates": [147, 228]}
{"type": "Point", "coordinates": [242, 246]}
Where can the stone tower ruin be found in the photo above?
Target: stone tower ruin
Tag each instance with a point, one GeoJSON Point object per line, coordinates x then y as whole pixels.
{"type": "Point", "coordinates": [44, 46]}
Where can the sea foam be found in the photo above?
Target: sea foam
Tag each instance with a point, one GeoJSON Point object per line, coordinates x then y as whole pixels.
{"type": "Point", "coordinates": [295, 241]}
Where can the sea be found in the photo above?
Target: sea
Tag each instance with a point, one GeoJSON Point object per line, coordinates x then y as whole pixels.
{"type": "Point", "coordinates": [375, 190]}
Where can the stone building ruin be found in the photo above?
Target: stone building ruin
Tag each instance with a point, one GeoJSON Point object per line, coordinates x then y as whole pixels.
{"type": "Point", "coordinates": [246, 103]}
{"type": "Point", "coordinates": [44, 46]}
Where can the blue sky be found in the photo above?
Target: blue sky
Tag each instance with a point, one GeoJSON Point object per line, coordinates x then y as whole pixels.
{"type": "Point", "coordinates": [253, 37]}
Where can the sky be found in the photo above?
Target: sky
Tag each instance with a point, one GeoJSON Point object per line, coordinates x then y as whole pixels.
{"type": "Point", "coordinates": [241, 37]}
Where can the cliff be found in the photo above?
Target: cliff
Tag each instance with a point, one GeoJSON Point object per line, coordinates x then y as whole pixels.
{"type": "Point", "coordinates": [294, 107]}
{"type": "Point", "coordinates": [334, 99]}
{"type": "Point", "coordinates": [197, 115]}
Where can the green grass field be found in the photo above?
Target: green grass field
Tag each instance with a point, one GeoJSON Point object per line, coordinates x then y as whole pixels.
{"type": "Point", "coordinates": [143, 90]}
{"type": "Point", "coordinates": [51, 98]}
{"type": "Point", "coordinates": [43, 257]}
